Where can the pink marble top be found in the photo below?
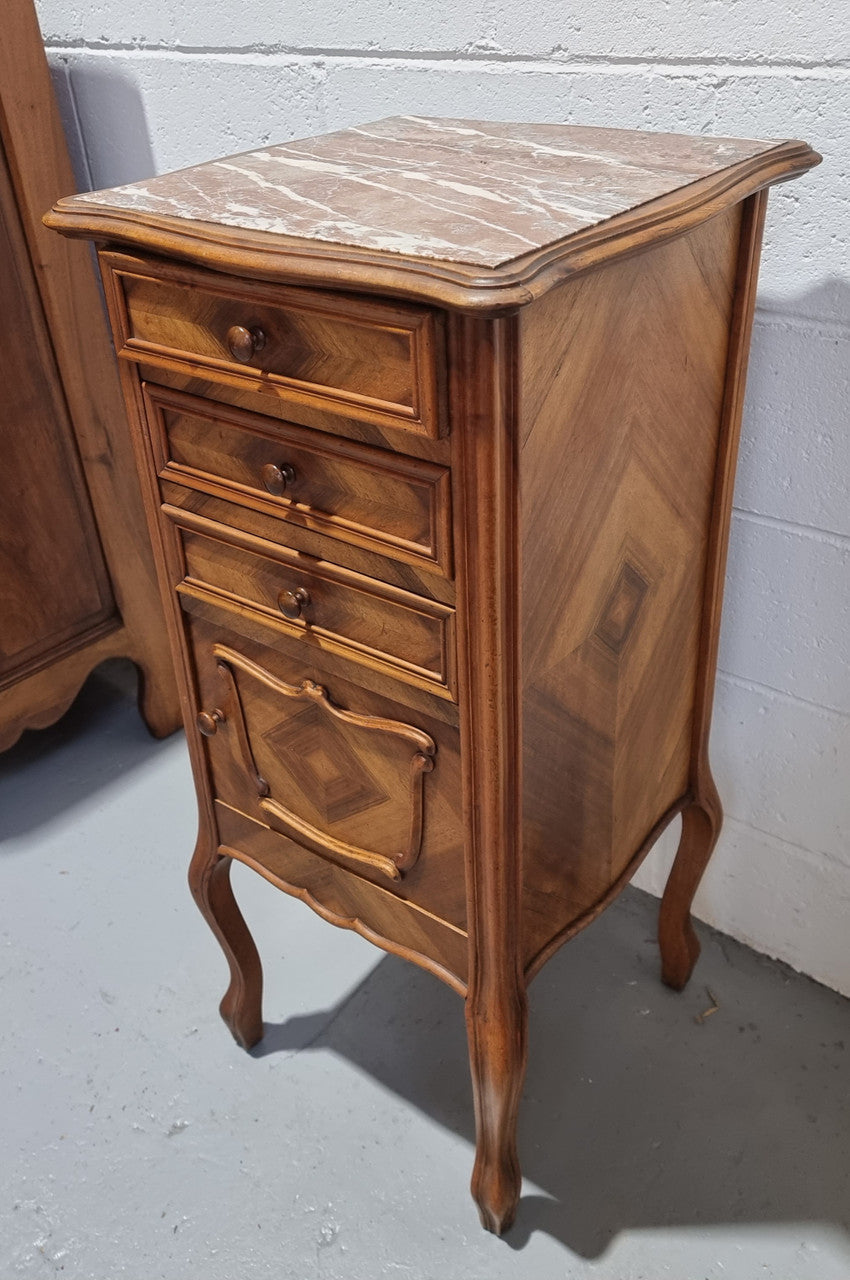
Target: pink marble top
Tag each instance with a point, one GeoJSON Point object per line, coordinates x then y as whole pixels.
{"type": "Point", "coordinates": [464, 191]}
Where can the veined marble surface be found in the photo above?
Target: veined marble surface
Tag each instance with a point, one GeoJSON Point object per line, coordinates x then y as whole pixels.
{"type": "Point", "coordinates": [464, 191]}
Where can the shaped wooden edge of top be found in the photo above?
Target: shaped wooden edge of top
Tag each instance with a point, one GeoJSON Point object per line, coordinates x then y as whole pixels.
{"type": "Point", "coordinates": [513, 284]}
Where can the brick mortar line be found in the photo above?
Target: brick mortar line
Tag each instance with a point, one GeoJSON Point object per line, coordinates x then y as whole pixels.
{"type": "Point", "coordinates": [755, 686]}
{"type": "Point", "coordinates": [769, 317]}
{"type": "Point", "coordinates": [472, 56]}
{"type": "Point", "coordinates": [840, 541]}
{"type": "Point", "coordinates": [822, 854]}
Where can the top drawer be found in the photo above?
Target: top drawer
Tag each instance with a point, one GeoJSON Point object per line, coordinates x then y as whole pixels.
{"type": "Point", "coordinates": [374, 361]}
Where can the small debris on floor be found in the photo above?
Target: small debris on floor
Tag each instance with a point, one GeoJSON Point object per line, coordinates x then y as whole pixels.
{"type": "Point", "coordinates": [712, 1008]}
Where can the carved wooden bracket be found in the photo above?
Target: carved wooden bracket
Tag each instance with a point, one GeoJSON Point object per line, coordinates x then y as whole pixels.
{"type": "Point", "coordinates": [291, 824]}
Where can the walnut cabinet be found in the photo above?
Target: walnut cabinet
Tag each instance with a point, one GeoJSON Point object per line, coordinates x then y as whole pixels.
{"type": "Point", "coordinates": [77, 581]}
{"type": "Point", "coordinates": [437, 424]}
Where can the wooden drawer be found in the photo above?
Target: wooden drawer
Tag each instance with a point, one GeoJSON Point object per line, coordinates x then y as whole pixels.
{"type": "Point", "coordinates": [353, 779]}
{"type": "Point", "coordinates": [383, 501]}
{"type": "Point", "coordinates": [319, 603]}
{"type": "Point", "coordinates": [374, 361]}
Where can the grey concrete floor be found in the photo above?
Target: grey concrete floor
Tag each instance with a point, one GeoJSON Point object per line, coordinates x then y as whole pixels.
{"type": "Point", "coordinates": [138, 1140]}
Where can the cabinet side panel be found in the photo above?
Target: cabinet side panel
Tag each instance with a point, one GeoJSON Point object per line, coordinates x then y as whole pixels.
{"type": "Point", "coordinates": [70, 305]}
{"type": "Point", "coordinates": [621, 396]}
{"type": "Point", "coordinates": [53, 583]}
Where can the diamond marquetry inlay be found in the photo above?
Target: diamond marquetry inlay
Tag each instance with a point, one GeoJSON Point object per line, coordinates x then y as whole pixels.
{"type": "Point", "coordinates": [621, 608]}
{"type": "Point", "coordinates": [323, 766]}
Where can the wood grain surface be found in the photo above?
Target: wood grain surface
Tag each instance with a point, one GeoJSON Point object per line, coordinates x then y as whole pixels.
{"type": "Point", "coordinates": [378, 361]}
{"type": "Point", "coordinates": [351, 782]}
{"type": "Point", "coordinates": [350, 902]}
{"type": "Point", "coordinates": [483, 396]}
{"type": "Point", "coordinates": [363, 618]}
{"type": "Point", "coordinates": [618, 460]}
{"type": "Point", "coordinates": [52, 590]}
{"type": "Point", "coordinates": [78, 574]}
{"type": "Point", "coordinates": [384, 501]}
{"type": "Point", "coordinates": [703, 814]}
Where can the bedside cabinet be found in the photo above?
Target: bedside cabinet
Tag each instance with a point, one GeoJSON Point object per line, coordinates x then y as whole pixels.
{"type": "Point", "coordinates": [437, 424]}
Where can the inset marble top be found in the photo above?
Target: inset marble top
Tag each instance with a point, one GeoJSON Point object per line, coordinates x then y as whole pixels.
{"type": "Point", "coordinates": [460, 191]}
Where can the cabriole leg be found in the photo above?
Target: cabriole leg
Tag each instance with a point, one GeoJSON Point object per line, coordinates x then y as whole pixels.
{"type": "Point", "coordinates": [497, 1032]}
{"type": "Point", "coordinates": [701, 822]}
{"type": "Point", "coordinates": [241, 1007]}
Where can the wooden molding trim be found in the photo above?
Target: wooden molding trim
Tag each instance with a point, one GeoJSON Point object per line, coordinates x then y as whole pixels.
{"type": "Point", "coordinates": [439, 680]}
{"type": "Point", "coordinates": [752, 227]}
{"type": "Point", "coordinates": [48, 691]}
{"type": "Point", "coordinates": [262, 255]}
{"type": "Point", "coordinates": [536, 963]}
{"type": "Point", "coordinates": [422, 415]}
{"type": "Point", "coordinates": [353, 922]}
{"type": "Point", "coordinates": [484, 358]}
{"type": "Point", "coordinates": [298, 829]}
{"type": "Point", "coordinates": [430, 478]}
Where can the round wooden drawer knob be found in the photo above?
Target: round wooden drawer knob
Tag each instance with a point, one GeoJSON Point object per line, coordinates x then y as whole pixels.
{"type": "Point", "coordinates": [244, 343]}
{"type": "Point", "coordinates": [277, 479]}
{"type": "Point", "coordinates": [293, 603]}
{"type": "Point", "coordinates": [208, 722]}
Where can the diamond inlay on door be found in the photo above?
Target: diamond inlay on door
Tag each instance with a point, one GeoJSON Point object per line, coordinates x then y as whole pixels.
{"type": "Point", "coordinates": [338, 783]}
{"type": "Point", "coordinates": [348, 784]}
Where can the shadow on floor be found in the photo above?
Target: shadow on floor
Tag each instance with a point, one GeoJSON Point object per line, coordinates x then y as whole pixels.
{"type": "Point", "coordinates": [97, 740]}
{"type": "Point", "coordinates": [635, 1114]}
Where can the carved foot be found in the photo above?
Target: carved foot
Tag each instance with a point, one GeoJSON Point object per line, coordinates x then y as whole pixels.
{"type": "Point", "coordinates": [158, 700]}
{"type": "Point", "coordinates": [497, 1056]}
{"type": "Point", "coordinates": [679, 956]}
{"type": "Point", "coordinates": [241, 1007]}
{"type": "Point", "coordinates": [701, 823]}
{"type": "Point", "coordinates": [245, 1026]}
{"type": "Point", "coordinates": [495, 1190]}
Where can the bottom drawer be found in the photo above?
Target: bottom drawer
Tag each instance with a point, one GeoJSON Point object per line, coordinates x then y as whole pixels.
{"type": "Point", "coordinates": [346, 900]}
{"type": "Point", "coordinates": [363, 783]}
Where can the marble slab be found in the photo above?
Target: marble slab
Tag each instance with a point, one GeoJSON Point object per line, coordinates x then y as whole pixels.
{"type": "Point", "coordinates": [464, 191]}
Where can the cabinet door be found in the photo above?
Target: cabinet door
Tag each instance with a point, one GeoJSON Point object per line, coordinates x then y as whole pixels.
{"type": "Point", "coordinates": [54, 590]}
{"type": "Point", "coordinates": [354, 779]}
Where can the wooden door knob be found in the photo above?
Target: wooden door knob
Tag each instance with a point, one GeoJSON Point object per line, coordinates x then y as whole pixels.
{"type": "Point", "coordinates": [277, 479]}
{"type": "Point", "coordinates": [293, 603]}
{"type": "Point", "coordinates": [208, 722]}
{"type": "Point", "coordinates": [244, 343]}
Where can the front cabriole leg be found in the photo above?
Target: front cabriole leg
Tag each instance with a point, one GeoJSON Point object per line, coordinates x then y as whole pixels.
{"type": "Point", "coordinates": [241, 1006]}
{"type": "Point", "coordinates": [496, 1023]}
{"type": "Point", "coordinates": [482, 363]}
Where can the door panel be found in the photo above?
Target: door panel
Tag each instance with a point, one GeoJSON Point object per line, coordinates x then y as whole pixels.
{"type": "Point", "coordinates": [365, 783]}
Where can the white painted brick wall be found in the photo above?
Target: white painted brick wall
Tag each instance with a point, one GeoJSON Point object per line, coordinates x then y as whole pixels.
{"type": "Point", "coordinates": [159, 86]}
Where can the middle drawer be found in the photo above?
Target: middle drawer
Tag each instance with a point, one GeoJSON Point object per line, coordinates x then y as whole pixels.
{"type": "Point", "coordinates": [369, 497]}
{"type": "Point", "coordinates": [320, 603]}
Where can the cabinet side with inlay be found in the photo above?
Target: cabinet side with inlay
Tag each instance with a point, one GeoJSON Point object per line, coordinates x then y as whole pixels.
{"type": "Point", "coordinates": [621, 402]}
